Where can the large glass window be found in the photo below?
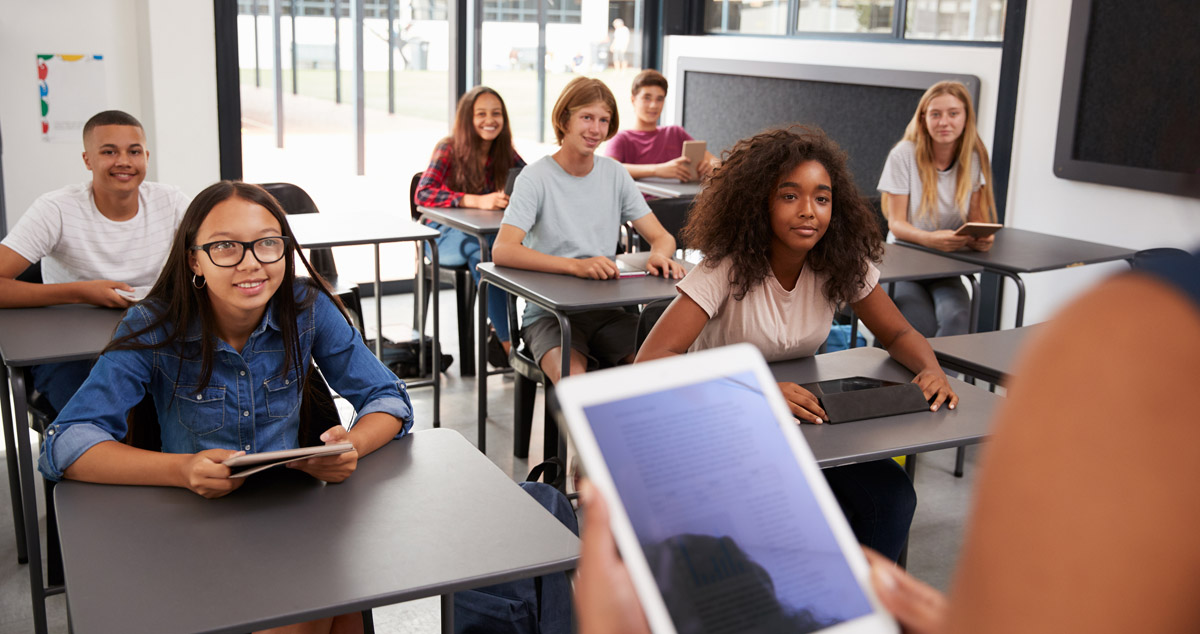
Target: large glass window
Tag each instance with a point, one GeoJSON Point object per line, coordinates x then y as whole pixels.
{"type": "Point", "coordinates": [968, 20]}
{"type": "Point", "coordinates": [845, 16]}
{"type": "Point", "coordinates": [406, 110]}
{"type": "Point", "coordinates": [981, 20]}
{"type": "Point", "coordinates": [593, 38]}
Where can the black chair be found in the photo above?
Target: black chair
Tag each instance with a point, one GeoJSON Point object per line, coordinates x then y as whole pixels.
{"type": "Point", "coordinates": [464, 292]}
{"type": "Point", "coordinates": [527, 375]}
{"type": "Point", "coordinates": [672, 214]}
{"type": "Point", "coordinates": [295, 201]}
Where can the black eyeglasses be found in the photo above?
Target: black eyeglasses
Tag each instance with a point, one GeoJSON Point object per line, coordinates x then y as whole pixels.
{"type": "Point", "coordinates": [230, 253]}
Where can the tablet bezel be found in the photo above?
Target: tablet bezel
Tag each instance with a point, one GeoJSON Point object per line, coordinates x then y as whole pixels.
{"type": "Point", "coordinates": [577, 392]}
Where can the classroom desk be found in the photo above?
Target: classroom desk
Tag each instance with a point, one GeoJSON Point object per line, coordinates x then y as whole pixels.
{"type": "Point", "coordinates": [891, 436]}
{"type": "Point", "coordinates": [561, 294]}
{"type": "Point", "coordinates": [906, 264]}
{"type": "Point", "coordinates": [478, 223]}
{"type": "Point", "coordinates": [425, 515]}
{"type": "Point", "coordinates": [667, 187]}
{"type": "Point", "coordinates": [1018, 251]}
{"type": "Point", "coordinates": [315, 231]}
{"type": "Point", "coordinates": [29, 337]}
{"type": "Point", "coordinates": [988, 356]}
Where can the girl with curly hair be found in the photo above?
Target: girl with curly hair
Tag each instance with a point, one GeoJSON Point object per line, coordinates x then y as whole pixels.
{"type": "Point", "coordinates": [786, 240]}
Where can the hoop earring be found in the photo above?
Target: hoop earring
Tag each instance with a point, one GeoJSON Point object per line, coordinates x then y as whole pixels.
{"type": "Point", "coordinates": [202, 284]}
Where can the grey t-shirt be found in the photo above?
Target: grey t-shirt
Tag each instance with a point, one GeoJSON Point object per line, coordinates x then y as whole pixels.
{"type": "Point", "coordinates": [900, 176]}
{"type": "Point", "coordinates": [572, 216]}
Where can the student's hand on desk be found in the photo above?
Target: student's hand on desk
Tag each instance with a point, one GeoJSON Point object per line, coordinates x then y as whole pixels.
{"type": "Point", "coordinates": [919, 608]}
{"type": "Point", "coordinates": [605, 600]}
{"type": "Point", "coordinates": [206, 476]}
{"type": "Point", "coordinates": [103, 293]}
{"type": "Point", "coordinates": [945, 240]}
{"type": "Point", "coordinates": [804, 404]}
{"type": "Point", "coordinates": [494, 200]}
{"type": "Point", "coordinates": [933, 383]}
{"type": "Point", "coordinates": [674, 168]}
{"type": "Point", "coordinates": [982, 244]}
{"type": "Point", "coordinates": [330, 468]}
{"type": "Point", "coordinates": [597, 268]}
{"type": "Point", "coordinates": [658, 264]}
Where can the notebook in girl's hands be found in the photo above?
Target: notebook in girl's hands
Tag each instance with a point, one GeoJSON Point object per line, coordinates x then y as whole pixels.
{"type": "Point", "coordinates": [253, 463]}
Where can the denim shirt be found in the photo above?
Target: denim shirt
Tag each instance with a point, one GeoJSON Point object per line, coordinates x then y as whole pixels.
{"type": "Point", "coordinates": [251, 402]}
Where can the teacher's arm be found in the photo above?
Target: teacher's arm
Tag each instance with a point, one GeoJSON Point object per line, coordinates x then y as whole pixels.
{"type": "Point", "coordinates": [906, 346]}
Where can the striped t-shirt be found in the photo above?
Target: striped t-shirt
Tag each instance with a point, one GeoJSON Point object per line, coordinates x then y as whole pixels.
{"type": "Point", "coordinates": [75, 242]}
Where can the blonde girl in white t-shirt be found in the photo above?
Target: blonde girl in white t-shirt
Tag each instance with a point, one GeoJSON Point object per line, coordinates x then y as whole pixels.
{"type": "Point", "coordinates": [786, 239]}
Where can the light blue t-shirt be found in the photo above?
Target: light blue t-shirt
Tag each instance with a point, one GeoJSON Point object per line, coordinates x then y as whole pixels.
{"type": "Point", "coordinates": [573, 216]}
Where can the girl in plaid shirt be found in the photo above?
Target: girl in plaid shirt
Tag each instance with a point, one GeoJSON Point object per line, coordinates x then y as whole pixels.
{"type": "Point", "coordinates": [469, 169]}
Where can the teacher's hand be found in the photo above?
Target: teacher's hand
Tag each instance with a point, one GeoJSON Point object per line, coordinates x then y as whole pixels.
{"type": "Point", "coordinates": [919, 608]}
{"type": "Point", "coordinates": [605, 600]}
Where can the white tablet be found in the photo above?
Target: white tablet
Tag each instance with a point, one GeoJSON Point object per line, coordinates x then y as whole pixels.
{"type": "Point", "coordinates": [718, 507]}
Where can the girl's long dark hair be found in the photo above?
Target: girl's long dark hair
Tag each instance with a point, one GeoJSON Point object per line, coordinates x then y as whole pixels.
{"type": "Point", "coordinates": [179, 306]}
{"type": "Point", "coordinates": [731, 217]}
{"type": "Point", "coordinates": [472, 168]}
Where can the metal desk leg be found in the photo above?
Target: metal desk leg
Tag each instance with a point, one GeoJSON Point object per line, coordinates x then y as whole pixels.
{"type": "Point", "coordinates": [853, 329]}
{"type": "Point", "coordinates": [378, 308]}
{"type": "Point", "coordinates": [1020, 295]}
{"type": "Point", "coordinates": [14, 476]}
{"type": "Point", "coordinates": [960, 460]}
{"type": "Point", "coordinates": [29, 502]}
{"type": "Point", "coordinates": [481, 358]}
{"type": "Point", "coordinates": [554, 441]}
{"type": "Point", "coordinates": [448, 613]}
{"type": "Point", "coordinates": [437, 341]}
{"type": "Point", "coordinates": [974, 325]}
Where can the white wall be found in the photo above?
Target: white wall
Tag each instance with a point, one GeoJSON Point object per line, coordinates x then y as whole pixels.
{"type": "Point", "coordinates": [1039, 201]}
{"type": "Point", "coordinates": [160, 67]}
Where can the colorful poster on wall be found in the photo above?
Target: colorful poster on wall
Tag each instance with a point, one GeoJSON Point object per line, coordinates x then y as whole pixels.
{"type": "Point", "coordinates": [71, 88]}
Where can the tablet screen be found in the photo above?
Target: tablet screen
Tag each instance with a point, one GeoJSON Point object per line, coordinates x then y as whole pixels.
{"type": "Point", "coordinates": [733, 535]}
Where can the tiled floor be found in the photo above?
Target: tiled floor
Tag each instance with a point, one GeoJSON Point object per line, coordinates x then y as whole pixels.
{"type": "Point", "coordinates": [936, 532]}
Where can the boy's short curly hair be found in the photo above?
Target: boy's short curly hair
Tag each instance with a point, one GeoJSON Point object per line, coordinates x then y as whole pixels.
{"type": "Point", "coordinates": [579, 93]}
{"type": "Point", "coordinates": [731, 217]}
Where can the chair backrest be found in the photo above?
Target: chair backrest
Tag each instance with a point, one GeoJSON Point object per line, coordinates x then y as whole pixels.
{"type": "Point", "coordinates": [294, 201]}
{"type": "Point", "coordinates": [672, 214]}
{"type": "Point", "coordinates": [412, 196]}
{"type": "Point", "coordinates": [511, 180]}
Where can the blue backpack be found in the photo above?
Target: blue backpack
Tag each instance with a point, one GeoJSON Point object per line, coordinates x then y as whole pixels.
{"type": "Point", "coordinates": [526, 606]}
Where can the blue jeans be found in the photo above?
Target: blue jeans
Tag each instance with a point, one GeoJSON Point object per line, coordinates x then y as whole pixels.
{"type": "Point", "coordinates": [60, 381]}
{"type": "Point", "coordinates": [456, 248]}
{"type": "Point", "coordinates": [879, 502]}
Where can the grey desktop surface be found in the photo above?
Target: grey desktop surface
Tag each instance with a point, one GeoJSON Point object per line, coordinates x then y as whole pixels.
{"type": "Point", "coordinates": [667, 187]}
{"type": "Point", "coordinates": [329, 230]}
{"type": "Point", "coordinates": [1022, 251]}
{"type": "Point", "coordinates": [984, 355]}
{"type": "Point", "coordinates": [53, 334]}
{"type": "Point", "coordinates": [902, 264]}
{"type": "Point", "coordinates": [424, 515]}
{"type": "Point", "coordinates": [476, 222]}
{"type": "Point", "coordinates": [890, 436]}
{"type": "Point", "coordinates": [568, 293]}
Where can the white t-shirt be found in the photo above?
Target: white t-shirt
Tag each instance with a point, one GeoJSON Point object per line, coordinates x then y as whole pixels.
{"type": "Point", "coordinates": [782, 324]}
{"type": "Point", "coordinates": [75, 242]}
{"type": "Point", "coordinates": [573, 216]}
{"type": "Point", "coordinates": [901, 177]}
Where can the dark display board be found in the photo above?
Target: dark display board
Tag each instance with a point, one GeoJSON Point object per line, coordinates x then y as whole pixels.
{"type": "Point", "coordinates": [1131, 85]}
{"type": "Point", "coordinates": [864, 110]}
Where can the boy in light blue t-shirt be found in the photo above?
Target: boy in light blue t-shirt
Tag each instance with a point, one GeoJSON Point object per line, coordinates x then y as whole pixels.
{"type": "Point", "coordinates": [564, 216]}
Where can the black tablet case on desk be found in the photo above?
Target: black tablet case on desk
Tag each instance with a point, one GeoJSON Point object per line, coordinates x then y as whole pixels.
{"type": "Point", "coordinates": [858, 403]}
